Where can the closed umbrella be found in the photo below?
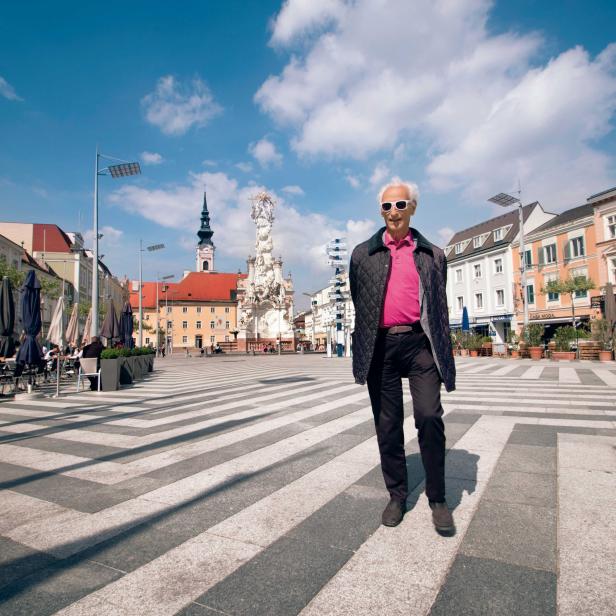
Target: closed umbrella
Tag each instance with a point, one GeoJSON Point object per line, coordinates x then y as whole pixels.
{"type": "Point", "coordinates": [56, 335]}
{"type": "Point", "coordinates": [111, 325]}
{"type": "Point", "coordinates": [72, 329]}
{"type": "Point", "coordinates": [7, 319]}
{"type": "Point", "coordinates": [30, 349]}
{"type": "Point", "coordinates": [610, 305]}
{"type": "Point", "coordinates": [465, 322]}
{"type": "Point", "coordinates": [86, 329]}
{"type": "Point", "coordinates": [126, 325]}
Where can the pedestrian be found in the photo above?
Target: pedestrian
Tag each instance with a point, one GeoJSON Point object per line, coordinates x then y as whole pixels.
{"type": "Point", "coordinates": [94, 349]}
{"type": "Point", "coordinates": [398, 285]}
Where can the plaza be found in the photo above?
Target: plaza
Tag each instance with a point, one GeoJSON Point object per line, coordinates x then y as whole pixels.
{"type": "Point", "coordinates": [251, 485]}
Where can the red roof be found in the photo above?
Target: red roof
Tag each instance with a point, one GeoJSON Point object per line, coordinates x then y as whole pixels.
{"type": "Point", "coordinates": [49, 238]}
{"type": "Point", "coordinates": [195, 287]}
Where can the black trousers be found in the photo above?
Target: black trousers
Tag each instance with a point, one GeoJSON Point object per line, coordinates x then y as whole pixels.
{"type": "Point", "coordinates": [399, 356]}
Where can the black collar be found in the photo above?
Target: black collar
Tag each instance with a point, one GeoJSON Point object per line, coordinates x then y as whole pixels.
{"type": "Point", "coordinates": [376, 241]}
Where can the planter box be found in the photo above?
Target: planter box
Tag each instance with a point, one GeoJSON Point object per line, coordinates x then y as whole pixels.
{"type": "Point", "coordinates": [515, 354]}
{"type": "Point", "coordinates": [605, 355]}
{"type": "Point", "coordinates": [110, 374]}
{"type": "Point", "coordinates": [464, 352]}
{"type": "Point", "coordinates": [127, 372]}
{"type": "Point", "coordinates": [568, 355]}
{"type": "Point", "coordinates": [474, 352]}
{"type": "Point", "coordinates": [535, 352]}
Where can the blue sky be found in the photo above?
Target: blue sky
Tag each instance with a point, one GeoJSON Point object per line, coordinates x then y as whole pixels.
{"type": "Point", "coordinates": [318, 101]}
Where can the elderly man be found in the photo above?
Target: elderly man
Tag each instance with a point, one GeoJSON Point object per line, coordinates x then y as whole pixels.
{"type": "Point", "coordinates": [398, 280]}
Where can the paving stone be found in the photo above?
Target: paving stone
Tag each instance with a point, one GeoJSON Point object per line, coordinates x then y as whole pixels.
{"type": "Point", "coordinates": [526, 488]}
{"type": "Point", "coordinates": [529, 459]}
{"type": "Point", "coordinates": [485, 587]}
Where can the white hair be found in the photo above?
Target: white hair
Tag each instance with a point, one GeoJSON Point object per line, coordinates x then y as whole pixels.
{"type": "Point", "coordinates": [396, 181]}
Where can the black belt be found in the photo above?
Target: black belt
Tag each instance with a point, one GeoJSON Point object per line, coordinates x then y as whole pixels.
{"type": "Point", "coordinates": [403, 329]}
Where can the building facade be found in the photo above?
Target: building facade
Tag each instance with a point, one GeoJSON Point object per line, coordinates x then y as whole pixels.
{"type": "Point", "coordinates": [563, 247]}
{"type": "Point", "coordinates": [480, 272]}
{"type": "Point", "coordinates": [604, 211]}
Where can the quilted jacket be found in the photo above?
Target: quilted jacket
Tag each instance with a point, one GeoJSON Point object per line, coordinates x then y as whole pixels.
{"type": "Point", "coordinates": [368, 274]}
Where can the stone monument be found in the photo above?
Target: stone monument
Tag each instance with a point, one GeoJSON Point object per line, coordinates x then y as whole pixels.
{"type": "Point", "coordinates": [265, 298]}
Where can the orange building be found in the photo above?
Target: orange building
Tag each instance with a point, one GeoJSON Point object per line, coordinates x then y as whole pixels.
{"type": "Point", "coordinates": [562, 247]}
{"type": "Point", "coordinates": [604, 204]}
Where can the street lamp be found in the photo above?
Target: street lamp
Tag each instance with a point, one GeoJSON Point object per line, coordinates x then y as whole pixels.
{"type": "Point", "coordinates": [151, 248]}
{"type": "Point", "coordinates": [505, 200]}
{"type": "Point", "coordinates": [337, 253]}
{"type": "Point", "coordinates": [158, 278]}
{"type": "Point", "coordinates": [124, 169]}
{"type": "Point", "coordinates": [312, 305]}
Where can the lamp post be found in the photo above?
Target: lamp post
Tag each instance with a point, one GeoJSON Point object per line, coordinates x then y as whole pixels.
{"type": "Point", "coordinates": [312, 312]}
{"type": "Point", "coordinates": [505, 200]}
{"type": "Point", "coordinates": [151, 248]}
{"type": "Point", "coordinates": [124, 169]}
{"type": "Point", "coordinates": [158, 278]}
{"type": "Point", "coordinates": [337, 253]}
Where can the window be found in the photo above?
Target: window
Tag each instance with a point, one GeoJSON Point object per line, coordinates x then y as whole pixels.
{"type": "Point", "coordinates": [529, 258]}
{"type": "Point", "coordinates": [576, 247]}
{"type": "Point", "coordinates": [168, 309]}
{"type": "Point", "coordinates": [227, 309]}
{"type": "Point", "coordinates": [459, 248]}
{"type": "Point", "coordinates": [500, 297]}
{"type": "Point", "coordinates": [169, 324]}
{"type": "Point", "coordinates": [479, 301]}
{"type": "Point", "coordinates": [498, 234]}
{"type": "Point", "coordinates": [611, 227]}
{"type": "Point", "coordinates": [184, 309]}
{"type": "Point", "coordinates": [147, 341]}
{"type": "Point", "coordinates": [184, 339]}
{"type": "Point", "coordinates": [212, 309]}
{"type": "Point", "coordinates": [184, 324]}
{"type": "Point", "coordinates": [460, 303]}
{"type": "Point", "coordinates": [530, 293]}
{"type": "Point", "coordinates": [459, 275]}
{"type": "Point", "coordinates": [552, 297]}
{"type": "Point", "coordinates": [477, 270]}
{"type": "Point", "coordinates": [549, 253]}
{"type": "Point", "coordinates": [198, 325]}
{"type": "Point", "coordinates": [212, 324]}
{"type": "Point", "coordinates": [498, 266]}
{"type": "Point", "coordinates": [226, 324]}
{"type": "Point", "coordinates": [212, 338]}
{"type": "Point", "coordinates": [198, 309]}
{"type": "Point", "coordinates": [613, 269]}
{"type": "Point", "coordinates": [577, 273]}
{"type": "Point", "coordinates": [477, 241]}
{"type": "Point", "coordinates": [147, 317]}
{"type": "Point", "coordinates": [226, 338]}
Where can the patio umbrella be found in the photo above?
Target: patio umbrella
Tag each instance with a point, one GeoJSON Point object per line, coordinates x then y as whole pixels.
{"type": "Point", "coordinates": [86, 328]}
{"type": "Point", "coordinates": [126, 325]}
{"type": "Point", "coordinates": [7, 319]}
{"type": "Point", "coordinates": [30, 350]}
{"type": "Point", "coordinates": [465, 322]}
{"type": "Point", "coordinates": [610, 304]}
{"type": "Point", "coordinates": [72, 329]}
{"type": "Point", "coordinates": [56, 335]}
{"type": "Point", "coordinates": [111, 325]}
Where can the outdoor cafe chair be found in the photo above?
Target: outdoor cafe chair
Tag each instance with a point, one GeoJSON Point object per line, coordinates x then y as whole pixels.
{"type": "Point", "coordinates": [89, 367]}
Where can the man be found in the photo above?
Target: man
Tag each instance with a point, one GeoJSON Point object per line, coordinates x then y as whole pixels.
{"type": "Point", "coordinates": [398, 281]}
{"type": "Point", "coordinates": [94, 349]}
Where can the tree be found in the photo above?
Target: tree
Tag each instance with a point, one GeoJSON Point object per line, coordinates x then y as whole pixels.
{"type": "Point", "coordinates": [569, 286]}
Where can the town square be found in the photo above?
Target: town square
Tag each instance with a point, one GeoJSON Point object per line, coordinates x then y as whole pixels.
{"type": "Point", "coordinates": [308, 307]}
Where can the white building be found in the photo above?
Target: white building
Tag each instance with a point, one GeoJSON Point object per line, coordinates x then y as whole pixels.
{"type": "Point", "coordinates": [480, 273]}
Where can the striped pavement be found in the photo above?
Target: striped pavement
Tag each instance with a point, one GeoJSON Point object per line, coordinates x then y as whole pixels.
{"type": "Point", "coordinates": [251, 485]}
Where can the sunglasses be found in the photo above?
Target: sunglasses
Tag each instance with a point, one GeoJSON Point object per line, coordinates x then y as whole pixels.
{"type": "Point", "coordinates": [399, 205]}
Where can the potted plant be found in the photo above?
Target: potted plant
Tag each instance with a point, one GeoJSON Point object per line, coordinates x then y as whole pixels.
{"type": "Point", "coordinates": [563, 337]}
{"type": "Point", "coordinates": [514, 345]}
{"type": "Point", "coordinates": [533, 336]}
{"type": "Point", "coordinates": [486, 342]}
{"type": "Point", "coordinates": [464, 343]}
{"type": "Point", "coordinates": [474, 344]}
{"type": "Point", "coordinates": [602, 333]}
{"type": "Point", "coordinates": [110, 369]}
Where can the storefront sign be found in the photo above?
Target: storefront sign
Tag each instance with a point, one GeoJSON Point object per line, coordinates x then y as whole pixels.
{"type": "Point", "coordinates": [541, 316]}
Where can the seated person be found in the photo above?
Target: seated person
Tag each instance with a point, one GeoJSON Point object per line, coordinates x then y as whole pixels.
{"type": "Point", "coordinates": [94, 349]}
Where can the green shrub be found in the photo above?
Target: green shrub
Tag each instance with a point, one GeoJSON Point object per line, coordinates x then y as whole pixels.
{"type": "Point", "coordinates": [486, 339]}
{"type": "Point", "coordinates": [123, 352]}
{"type": "Point", "coordinates": [534, 334]}
{"type": "Point", "coordinates": [563, 337]}
{"type": "Point", "coordinates": [110, 354]}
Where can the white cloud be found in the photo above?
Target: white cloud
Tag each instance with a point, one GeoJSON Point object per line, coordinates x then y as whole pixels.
{"type": "Point", "coordinates": [111, 237]}
{"type": "Point", "coordinates": [209, 163]}
{"type": "Point", "coordinates": [482, 108]}
{"type": "Point", "coordinates": [380, 174]}
{"type": "Point", "coordinates": [353, 180]}
{"type": "Point", "coordinates": [445, 234]}
{"type": "Point", "coordinates": [294, 190]}
{"type": "Point", "coordinates": [41, 192]}
{"type": "Point", "coordinates": [265, 152]}
{"type": "Point", "coordinates": [297, 17]}
{"type": "Point", "coordinates": [8, 91]}
{"type": "Point", "coordinates": [151, 158]}
{"type": "Point", "coordinates": [299, 237]}
{"type": "Point", "coordinates": [246, 167]}
{"type": "Point", "coordinates": [176, 107]}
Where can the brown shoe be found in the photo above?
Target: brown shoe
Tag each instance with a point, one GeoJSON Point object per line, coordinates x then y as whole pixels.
{"type": "Point", "coordinates": [442, 518]}
{"type": "Point", "coordinates": [393, 513]}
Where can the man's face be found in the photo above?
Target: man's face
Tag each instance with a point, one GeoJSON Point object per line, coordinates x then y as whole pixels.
{"type": "Point", "coordinates": [397, 221]}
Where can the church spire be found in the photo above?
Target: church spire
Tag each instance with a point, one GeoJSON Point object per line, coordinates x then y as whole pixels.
{"type": "Point", "coordinates": [205, 232]}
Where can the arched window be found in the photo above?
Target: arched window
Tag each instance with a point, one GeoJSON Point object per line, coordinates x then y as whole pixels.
{"type": "Point", "coordinates": [206, 266]}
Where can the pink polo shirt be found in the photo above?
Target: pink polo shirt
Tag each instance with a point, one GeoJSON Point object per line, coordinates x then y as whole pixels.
{"type": "Point", "coordinates": [402, 293]}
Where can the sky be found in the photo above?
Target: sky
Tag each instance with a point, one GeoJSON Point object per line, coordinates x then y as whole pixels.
{"type": "Point", "coordinates": [319, 102]}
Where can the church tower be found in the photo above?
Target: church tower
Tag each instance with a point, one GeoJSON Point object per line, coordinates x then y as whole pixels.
{"type": "Point", "coordinates": [205, 247]}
